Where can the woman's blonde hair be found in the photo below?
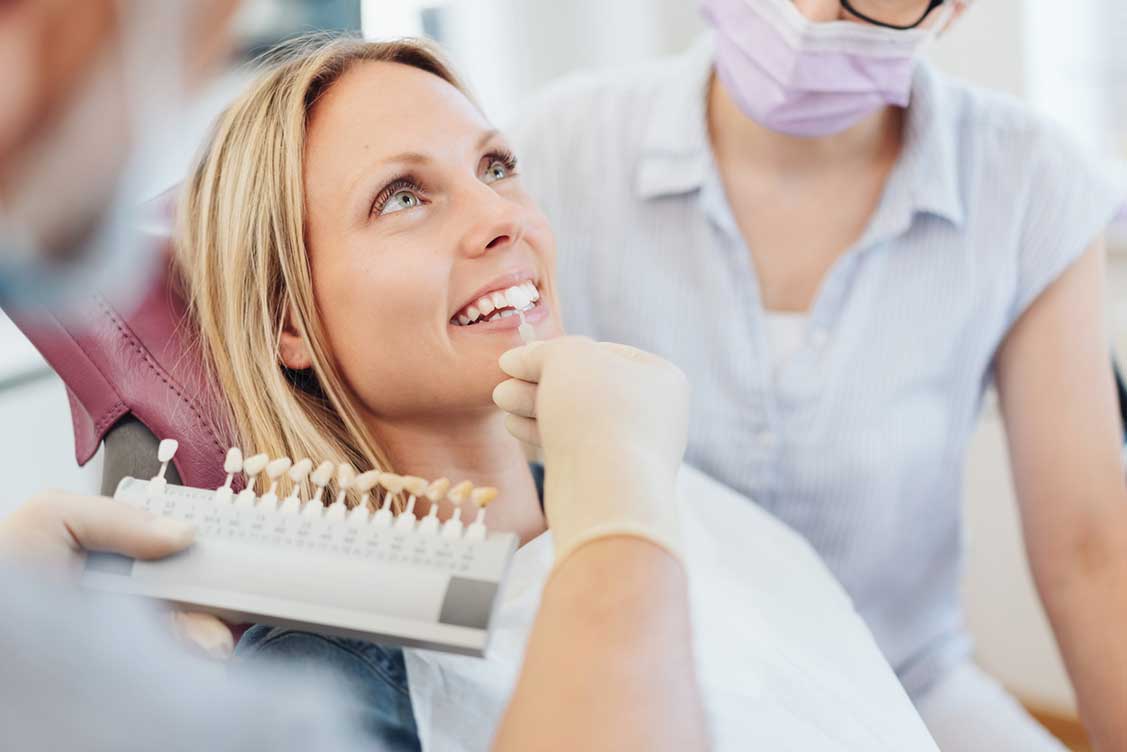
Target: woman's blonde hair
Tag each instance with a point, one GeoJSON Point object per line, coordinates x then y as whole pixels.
{"type": "Point", "coordinates": [243, 257]}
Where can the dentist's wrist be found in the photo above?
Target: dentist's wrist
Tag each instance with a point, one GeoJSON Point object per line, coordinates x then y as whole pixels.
{"type": "Point", "coordinates": [610, 492]}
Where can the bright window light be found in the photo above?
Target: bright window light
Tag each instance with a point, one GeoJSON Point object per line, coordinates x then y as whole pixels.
{"type": "Point", "coordinates": [389, 19]}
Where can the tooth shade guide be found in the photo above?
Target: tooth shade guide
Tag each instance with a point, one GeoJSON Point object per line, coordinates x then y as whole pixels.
{"type": "Point", "coordinates": [275, 470]}
{"type": "Point", "coordinates": [405, 522]}
{"type": "Point", "coordinates": [166, 450]}
{"type": "Point", "coordinates": [483, 497]}
{"type": "Point", "coordinates": [364, 484]}
{"type": "Point", "coordinates": [232, 463]}
{"type": "Point", "coordinates": [245, 499]}
{"type": "Point", "coordinates": [460, 493]}
{"type": "Point", "coordinates": [437, 490]}
{"type": "Point", "coordinates": [346, 477]}
{"type": "Point", "coordinates": [235, 547]}
{"type": "Point", "coordinates": [300, 470]}
{"type": "Point", "coordinates": [321, 478]}
{"type": "Point", "coordinates": [359, 515]}
{"type": "Point", "coordinates": [428, 520]}
{"type": "Point", "coordinates": [452, 530]}
{"type": "Point", "coordinates": [525, 330]}
{"type": "Point", "coordinates": [252, 466]}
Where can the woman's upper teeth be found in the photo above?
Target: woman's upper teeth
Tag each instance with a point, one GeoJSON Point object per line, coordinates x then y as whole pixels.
{"type": "Point", "coordinates": [497, 304]}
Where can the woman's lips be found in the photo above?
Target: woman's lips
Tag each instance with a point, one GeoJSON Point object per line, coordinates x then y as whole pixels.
{"type": "Point", "coordinates": [533, 316]}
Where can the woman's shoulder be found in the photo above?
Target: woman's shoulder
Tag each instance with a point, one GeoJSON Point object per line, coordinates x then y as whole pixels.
{"type": "Point", "coordinates": [991, 124]}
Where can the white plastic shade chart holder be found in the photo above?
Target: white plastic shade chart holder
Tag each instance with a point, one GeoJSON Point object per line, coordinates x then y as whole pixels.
{"type": "Point", "coordinates": [315, 565]}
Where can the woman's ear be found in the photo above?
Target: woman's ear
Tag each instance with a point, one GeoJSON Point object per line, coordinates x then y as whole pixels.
{"type": "Point", "coordinates": [292, 346]}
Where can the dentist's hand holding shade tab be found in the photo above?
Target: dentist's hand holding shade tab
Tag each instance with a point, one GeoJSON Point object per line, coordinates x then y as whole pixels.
{"type": "Point", "coordinates": [612, 421]}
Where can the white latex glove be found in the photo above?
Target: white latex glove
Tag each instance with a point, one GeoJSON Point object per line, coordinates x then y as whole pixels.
{"type": "Point", "coordinates": [612, 421]}
{"type": "Point", "coordinates": [51, 533]}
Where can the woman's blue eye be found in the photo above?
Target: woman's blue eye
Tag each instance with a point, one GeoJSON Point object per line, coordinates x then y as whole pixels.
{"type": "Point", "coordinates": [497, 170]}
{"type": "Point", "coordinates": [400, 200]}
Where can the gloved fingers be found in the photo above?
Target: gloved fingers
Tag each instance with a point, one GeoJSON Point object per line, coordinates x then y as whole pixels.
{"type": "Point", "coordinates": [644, 357]}
{"type": "Point", "coordinates": [96, 523]}
{"type": "Point", "coordinates": [204, 633]}
{"type": "Point", "coordinates": [630, 353]}
{"type": "Point", "coordinates": [527, 362]}
{"type": "Point", "coordinates": [525, 429]}
{"type": "Point", "coordinates": [516, 397]}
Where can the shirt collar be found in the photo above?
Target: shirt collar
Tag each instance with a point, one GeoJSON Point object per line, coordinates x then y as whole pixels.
{"type": "Point", "coordinates": [676, 156]}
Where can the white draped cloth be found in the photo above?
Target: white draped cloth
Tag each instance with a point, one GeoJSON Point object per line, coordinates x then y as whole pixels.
{"type": "Point", "coordinates": [783, 659]}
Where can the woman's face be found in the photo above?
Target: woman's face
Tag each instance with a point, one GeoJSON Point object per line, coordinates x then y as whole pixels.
{"type": "Point", "coordinates": [415, 213]}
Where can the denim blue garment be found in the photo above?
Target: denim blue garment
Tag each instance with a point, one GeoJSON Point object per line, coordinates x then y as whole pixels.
{"type": "Point", "coordinates": [377, 673]}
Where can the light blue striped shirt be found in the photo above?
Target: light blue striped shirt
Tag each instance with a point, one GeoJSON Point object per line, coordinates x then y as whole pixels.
{"type": "Point", "coordinates": [858, 441]}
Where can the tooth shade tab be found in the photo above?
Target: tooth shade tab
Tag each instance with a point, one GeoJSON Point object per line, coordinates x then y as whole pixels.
{"type": "Point", "coordinates": [346, 475]}
{"type": "Point", "coordinates": [459, 493]}
{"type": "Point", "coordinates": [255, 465]}
{"type": "Point", "coordinates": [365, 482]}
{"type": "Point", "coordinates": [483, 497]}
{"type": "Point", "coordinates": [392, 482]}
{"type": "Point", "coordinates": [436, 491]}
{"type": "Point", "coordinates": [167, 450]}
{"type": "Point", "coordinates": [323, 474]}
{"type": "Point", "coordinates": [415, 485]}
{"type": "Point", "coordinates": [234, 462]}
{"type": "Point", "coordinates": [300, 471]}
{"type": "Point", "coordinates": [278, 468]}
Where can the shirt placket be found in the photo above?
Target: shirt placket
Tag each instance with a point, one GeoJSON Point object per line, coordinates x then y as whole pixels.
{"type": "Point", "coordinates": [759, 438]}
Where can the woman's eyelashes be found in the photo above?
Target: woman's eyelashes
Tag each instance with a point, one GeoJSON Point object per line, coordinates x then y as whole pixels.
{"type": "Point", "coordinates": [499, 164]}
{"type": "Point", "coordinates": [402, 193]}
{"type": "Point", "coordinates": [407, 192]}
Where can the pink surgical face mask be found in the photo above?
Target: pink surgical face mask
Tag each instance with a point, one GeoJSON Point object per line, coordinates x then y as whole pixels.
{"type": "Point", "coordinates": [804, 78]}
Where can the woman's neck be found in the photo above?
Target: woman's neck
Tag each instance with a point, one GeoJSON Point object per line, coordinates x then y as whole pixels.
{"type": "Point", "coordinates": [476, 447]}
{"type": "Point", "coordinates": [738, 140]}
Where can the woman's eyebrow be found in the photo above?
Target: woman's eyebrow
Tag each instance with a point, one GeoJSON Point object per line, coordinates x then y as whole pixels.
{"type": "Point", "coordinates": [417, 158]}
{"type": "Point", "coordinates": [486, 137]}
{"type": "Point", "coordinates": [407, 157]}
{"type": "Point", "coordinates": [363, 184]}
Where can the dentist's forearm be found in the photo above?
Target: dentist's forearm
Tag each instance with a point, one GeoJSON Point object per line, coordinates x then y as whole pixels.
{"type": "Point", "coordinates": [1087, 605]}
{"type": "Point", "coordinates": [609, 664]}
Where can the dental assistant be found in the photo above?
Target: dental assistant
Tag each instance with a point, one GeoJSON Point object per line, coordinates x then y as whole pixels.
{"type": "Point", "coordinates": [843, 248]}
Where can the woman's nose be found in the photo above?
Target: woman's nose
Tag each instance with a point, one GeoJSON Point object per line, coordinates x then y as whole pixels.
{"type": "Point", "coordinates": [819, 10]}
{"type": "Point", "coordinates": [495, 223]}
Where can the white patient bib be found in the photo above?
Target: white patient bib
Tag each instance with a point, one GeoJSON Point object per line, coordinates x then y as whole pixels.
{"type": "Point", "coordinates": [783, 660]}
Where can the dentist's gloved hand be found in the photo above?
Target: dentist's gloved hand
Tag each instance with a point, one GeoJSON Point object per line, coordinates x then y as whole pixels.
{"type": "Point", "coordinates": [51, 533]}
{"type": "Point", "coordinates": [612, 421]}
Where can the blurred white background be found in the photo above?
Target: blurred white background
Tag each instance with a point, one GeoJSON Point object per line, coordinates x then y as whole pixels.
{"type": "Point", "coordinates": [1068, 59]}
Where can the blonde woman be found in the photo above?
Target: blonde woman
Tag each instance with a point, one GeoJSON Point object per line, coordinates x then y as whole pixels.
{"type": "Point", "coordinates": [340, 241]}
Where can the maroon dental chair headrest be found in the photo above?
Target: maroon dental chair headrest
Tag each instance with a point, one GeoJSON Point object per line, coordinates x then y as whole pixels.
{"type": "Point", "coordinates": [141, 364]}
